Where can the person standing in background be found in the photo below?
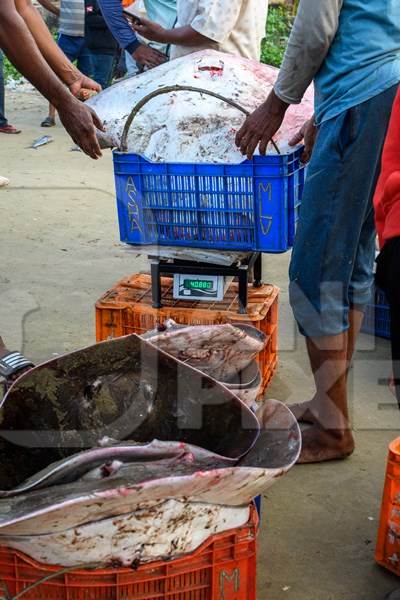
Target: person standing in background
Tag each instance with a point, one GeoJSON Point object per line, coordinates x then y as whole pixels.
{"type": "Point", "coordinates": [387, 220]}
{"type": "Point", "coordinates": [5, 126]}
{"type": "Point", "coordinates": [162, 12]}
{"type": "Point", "coordinates": [233, 26]}
{"type": "Point", "coordinates": [101, 44]}
{"type": "Point", "coordinates": [142, 54]}
{"type": "Point", "coordinates": [71, 40]}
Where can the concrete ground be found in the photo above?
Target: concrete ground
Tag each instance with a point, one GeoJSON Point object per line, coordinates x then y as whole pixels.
{"type": "Point", "coordinates": [59, 252]}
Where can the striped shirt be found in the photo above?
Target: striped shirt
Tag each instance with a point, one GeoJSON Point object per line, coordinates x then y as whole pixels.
{"type": "Point", "coordinates": [72, 18]}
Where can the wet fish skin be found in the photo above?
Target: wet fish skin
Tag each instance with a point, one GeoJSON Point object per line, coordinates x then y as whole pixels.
{"type": "Point", "coordinates": [42, 141]}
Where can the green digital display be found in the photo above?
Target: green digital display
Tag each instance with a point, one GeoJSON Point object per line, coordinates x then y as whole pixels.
{"type": "Point", "coordinates": [197, 284]}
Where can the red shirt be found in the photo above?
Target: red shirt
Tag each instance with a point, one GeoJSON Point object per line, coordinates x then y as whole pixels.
{"type": "Point", "coordinates": [387, 195]}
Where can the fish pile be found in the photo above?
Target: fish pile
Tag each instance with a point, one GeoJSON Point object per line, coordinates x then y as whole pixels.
{"type": "Point", "coordinates": [187, 126]}
{"type": "Point", "coordinates": [125, 452]}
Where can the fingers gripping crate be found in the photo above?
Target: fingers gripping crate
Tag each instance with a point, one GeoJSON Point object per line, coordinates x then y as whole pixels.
{"type": "Point", "coordinates": [224, 567]}
{"type": "Point", "coordinates": [251, 206]}
{"type": "Point", "coordinates": [127, 308]}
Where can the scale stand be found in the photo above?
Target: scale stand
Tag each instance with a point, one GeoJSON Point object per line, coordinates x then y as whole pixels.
{"type": "Point", "coordinates": [196, 270]}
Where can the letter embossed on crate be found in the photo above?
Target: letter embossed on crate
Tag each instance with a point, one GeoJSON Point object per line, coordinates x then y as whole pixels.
{"type": "Point", "coordinates": [226, 577]}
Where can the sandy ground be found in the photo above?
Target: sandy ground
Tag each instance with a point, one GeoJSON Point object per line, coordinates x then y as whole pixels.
{"type": "Point", "coordinates": [60, 251]}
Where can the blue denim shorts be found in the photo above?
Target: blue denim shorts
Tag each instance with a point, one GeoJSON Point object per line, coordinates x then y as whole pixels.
{"type": "Point", "coordinates": [332, 261]}
{"type": "Point", "coordinates": [75, 49]}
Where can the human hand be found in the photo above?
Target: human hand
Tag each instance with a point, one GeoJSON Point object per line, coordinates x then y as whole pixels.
{"type": "Point", "coordinates": [148, 57]}
{"type": "Point", "coordinates": [261, 126]}
{"type": "Point", "coordinates": [308, 133]}
{"type": "Point", "coordinates": [83, 83]}
{"type": "Point", "coordinates": [81, 123]}
{"type": "Point", "coordinates": [149, 29]}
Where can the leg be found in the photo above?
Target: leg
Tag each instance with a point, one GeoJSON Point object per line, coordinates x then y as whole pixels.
{"type": "Point", "coordinates": [84, 58]}
{"type": "Point", "coordinates": [103, 65]}
{"type": "Point", "coordinates": [70, 46]}
{"type": "Point", "coordinates": [156, 284]}
{"type": "Point", "coordinates": [388, 279]}
{"type": "Point", "coordinates": [331, 267]}
{"type": "Point", "coordinates": [258, 271]}
{"type": "Point", "coordinates": [3, 120]}
{"type": "Point", "coordinates": [50, 120]}
{"type": "Point", "coordinates": [5, 127]}
{"type": "Point", "coordinates": [329, 438]}
{"type": "Point", "coordinates": [242, 291]}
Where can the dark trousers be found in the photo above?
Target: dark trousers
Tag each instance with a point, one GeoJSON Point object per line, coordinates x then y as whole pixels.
{"type": "Point", "coordinates": [103, 66]}
{"type": "Point", "coordinates": [388, 279]}
{"type": "Point", "coordinates": [3, 120]}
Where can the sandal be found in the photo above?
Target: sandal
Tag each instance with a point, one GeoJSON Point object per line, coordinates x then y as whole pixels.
{"type": "Point", "coordinates": [48, 122]}
{"type": "Point", "coordinates": [9, 129]}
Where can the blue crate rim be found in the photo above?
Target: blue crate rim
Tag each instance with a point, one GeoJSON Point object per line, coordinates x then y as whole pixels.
{"type": "Point", "coordinates": [287, 156]}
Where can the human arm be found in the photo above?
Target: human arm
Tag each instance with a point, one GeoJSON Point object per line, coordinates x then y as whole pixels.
{"type": "Point", "coordinates": [213, 23]}
{"type": "Point", "coordinates": [313, 32]}
{"type": "Point", "coordinates": [20, 47]}
{"type": "Point", "coordinates": [126, 37]}
{"type": "Point", "coordinates": [56, 59]}
{"type": "Point", "coordinates": [180, 36]}
{"type": "Point", "coordinates": [48, 5]}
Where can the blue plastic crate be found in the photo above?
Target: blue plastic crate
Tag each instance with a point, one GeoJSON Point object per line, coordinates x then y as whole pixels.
{"type": "Point", "coordinates": [251, 206]}
{"type": "Point", "coordinates": [377, 316]}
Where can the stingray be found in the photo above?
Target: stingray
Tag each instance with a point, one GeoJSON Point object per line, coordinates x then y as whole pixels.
{"type": "Point", "coordinates": [203, 478]}
{"type": "Point", "coordinates": [124, 389]}
{"type": "Point", "coordinates": [220, 351]}
{"type": "Point", "coordinates": [186, 126]}
{"type": "Point", "coordinates": [164, 435]}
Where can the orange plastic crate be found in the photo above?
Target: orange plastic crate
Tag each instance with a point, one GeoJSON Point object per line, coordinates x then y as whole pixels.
{"type": "Point", "coordinates": [388, 545]}
{"type": "Point", "coordinates": [127, 308]}
{"type": "Point", "coordinates": [224, 567]}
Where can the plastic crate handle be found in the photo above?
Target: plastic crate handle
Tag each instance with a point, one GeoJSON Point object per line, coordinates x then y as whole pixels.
{"type": "Point", "coordinates": [177, 88]}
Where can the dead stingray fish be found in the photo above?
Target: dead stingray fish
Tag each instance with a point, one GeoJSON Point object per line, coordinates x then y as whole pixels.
{"type": "Point", "coordinates": [43, 511]}
{"type": "Point", "coordinates": [99, 463]}
{"type": "Point", "coordinates": [221, 351]}
{"type": "Point", "coordinates": [187, 126]}
{"type": "Point", "coordinates": [125, 389]}
{"type": "Point", "coordinates": [158, 531]}
{"type": "Point", "coordinates": [42, 141]}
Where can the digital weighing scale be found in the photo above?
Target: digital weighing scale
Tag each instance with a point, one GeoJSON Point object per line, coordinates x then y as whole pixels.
{"type": "Point", "coordinates": [206, 288]}
{"type": "Point", "coordinates": [204, 282]}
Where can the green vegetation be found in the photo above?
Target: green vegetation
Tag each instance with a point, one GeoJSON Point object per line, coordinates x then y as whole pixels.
{"type": "Point", "coordinates": [10, 72]}
{"type": "Point", "coordinates": [279, 24]}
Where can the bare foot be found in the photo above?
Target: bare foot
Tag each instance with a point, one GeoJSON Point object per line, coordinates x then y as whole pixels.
{"type": "Point", "coordinates": [320, 445]}
{"type": "Point", "coordinates": [306, 412]}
